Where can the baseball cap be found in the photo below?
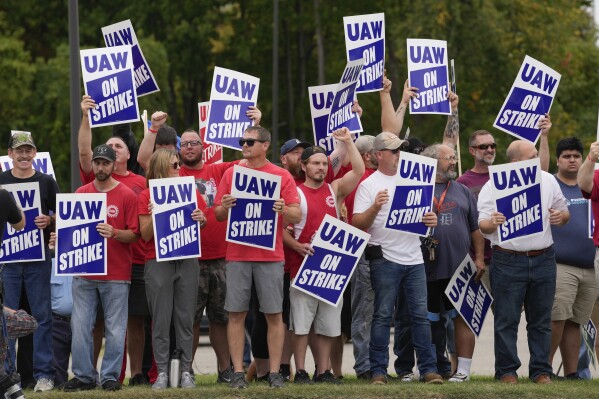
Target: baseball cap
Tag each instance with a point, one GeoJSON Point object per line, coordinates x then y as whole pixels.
{"type": "Point", "coordinates": [414, 145]}
{"type": "Point", "coordinates": [308, 152]}
{"type": "Point", "coordinates": [104, 151]}
{"type": "Point", "coordinates": [19, 139]}
{"type": "Point", "coordinates": [365, 144]}
{"type": "Point", "coordinates": [292, 144]}
{"type": "Point", "coordinates": [387, 141]}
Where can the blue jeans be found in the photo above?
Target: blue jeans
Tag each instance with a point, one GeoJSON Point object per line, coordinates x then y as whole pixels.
{"type": "Point", "coordinates": [36, 278]}
{"type": "Point", "coordinates": [387, 279]}
{"type": "Point", "coordinates": [402, 344]}
{"type": "Point", "coordinates": [530, 281]}
{"type": "Point", "coordinates": [362, 306]}
{"type": "Point", "coordinates": [114, 297]}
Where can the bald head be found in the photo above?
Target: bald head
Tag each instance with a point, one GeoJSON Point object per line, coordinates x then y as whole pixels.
{"type": "Point", "coordinates": [521, 150]}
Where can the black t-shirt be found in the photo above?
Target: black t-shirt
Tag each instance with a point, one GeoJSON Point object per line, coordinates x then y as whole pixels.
{"type": "Point", "coordinates": [48, 191]}
{"type": "Point", "coordinates": [9, 211]}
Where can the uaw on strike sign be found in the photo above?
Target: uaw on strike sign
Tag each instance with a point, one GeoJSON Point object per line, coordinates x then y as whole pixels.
{"type": "Point", "coordinates": [337, 250]}
{"type": "Point", "coordinates": [516, 189]}
{"type": "Point", "coordinates": [26, 245]}
{"type": "Point", "coordinates": [80, 249]}
{"type": "Point", "coordinates": [176, 234]}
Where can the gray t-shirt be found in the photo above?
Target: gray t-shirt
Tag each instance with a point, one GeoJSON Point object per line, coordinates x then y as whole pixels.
{"type": "Point", "coordinates": [457, 219]}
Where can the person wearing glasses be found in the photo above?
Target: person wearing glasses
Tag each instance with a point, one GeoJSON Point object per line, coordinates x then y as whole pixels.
{"type": "Point", "coordinates": [265, 267]}
{"type": "Point", "coordinates": [457, 229]}
{"type": "Point", "coordinates": [212, 287]}
{"type": "Point", "coordinates": [171, 286]}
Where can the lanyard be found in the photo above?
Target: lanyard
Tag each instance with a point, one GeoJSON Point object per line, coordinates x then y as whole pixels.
{"type": "Point", "coordinates": [438, 203]}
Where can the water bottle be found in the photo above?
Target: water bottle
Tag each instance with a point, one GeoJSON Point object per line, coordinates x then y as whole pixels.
{"type": "Point", "coordinates": [175, 368]}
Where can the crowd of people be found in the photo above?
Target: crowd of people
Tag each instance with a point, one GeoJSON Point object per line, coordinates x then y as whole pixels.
{"type": "Point", "coordinates": [246, 291]}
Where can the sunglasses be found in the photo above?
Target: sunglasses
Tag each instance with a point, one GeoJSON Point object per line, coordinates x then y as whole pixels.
{"type": "Point", "coordinates": [395, 151]}
{"type": "Point", "coordinates": [250, 142]}
{"type": "Point", "coordinates": [193, 143]}
{"type": "Point", "coordinates": [485, 146]}
{"type": "Point", "coordinates": [176, 165]}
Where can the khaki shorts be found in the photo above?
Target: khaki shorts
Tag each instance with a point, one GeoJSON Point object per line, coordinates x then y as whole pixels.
{"type": "Point", "coordinates": [307, 310]}
{"type": "Point", "coordinates": [268, 278]}
{"type": "Point", "coordinates": [575, 294]}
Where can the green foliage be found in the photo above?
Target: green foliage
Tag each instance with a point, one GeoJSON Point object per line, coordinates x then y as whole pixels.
{"type": "Point", "coordinates": [183, 40]}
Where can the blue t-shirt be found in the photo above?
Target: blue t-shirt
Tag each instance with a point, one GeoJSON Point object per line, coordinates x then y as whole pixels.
{"type": "Point", "coordinates": [571, 242]}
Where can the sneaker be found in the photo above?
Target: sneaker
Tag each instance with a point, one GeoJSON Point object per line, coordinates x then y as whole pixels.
{"type": "Point", "coordinates": [111, 385]}
{"type": "Point", "coordinates": [433, 378]}
{"type": "Point", "coordinates": [187, 380]}
{"type": "Point", "coordinates": [406, 377]}
{"type": "Point", "coordinates": [161, 381]}
{"type": "Point", "coordinates": [572, 376]}
{"type": "Point", "coordinates": [224, 377]}
{"type": "Point", "coordinates": [365, 376]}
{"type": "Point", "coordinates": [276, 380]}
{"type": "Point", "coordinates": [44, 385]}
{"type": "Point", "coordinates": [75, 384]}
{"type": "Point", "coordinates": [378, 379]}
{"type": "Point", "coordinates": [138, 379]}
{"type": "Point", "coordinates": [238, 381]}
{"type": "Point", "coordinates": [327, 377]}
{"type": "Point", "coordinates": [285, 371]}
{"type": "Point", "coordinates": [302, 377]}
{"type": "Point", "coordinates": [264, 378]}
{"type": "Point", "coordinates": [459, 377]}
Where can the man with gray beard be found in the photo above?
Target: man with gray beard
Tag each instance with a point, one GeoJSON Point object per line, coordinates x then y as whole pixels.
{"type": "Point", "coordinates": [457, 229]}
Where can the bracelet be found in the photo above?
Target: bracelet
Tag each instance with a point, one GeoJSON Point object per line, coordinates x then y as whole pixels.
{"type": "Point", "coordinates": [152, 131]}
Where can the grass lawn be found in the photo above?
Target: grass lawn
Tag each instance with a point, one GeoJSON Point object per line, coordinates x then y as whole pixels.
{"type": "Point", "coordinates": [479, 387]}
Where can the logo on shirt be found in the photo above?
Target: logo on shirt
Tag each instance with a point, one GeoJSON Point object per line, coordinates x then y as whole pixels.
{"type": "Point", "coordinates": [330, 201]}
{"type": "Point", "coordinates": [445, 219]}
{"type": "Point", "coordinates": [112, 211]}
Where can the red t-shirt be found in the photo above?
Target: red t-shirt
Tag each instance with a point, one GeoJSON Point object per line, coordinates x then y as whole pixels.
{"type": "Point", "coordinates": [136, 183]}
{"type": "Point", "coordinates": [121, 204]}
{"type": "Point", "coordinates": [213, 235]}
{"type": "Point", "coordinates": [318, 203]}
{"type": "Point", "coordinates": [594, 197]}
{"type": "Point", "coordinates": [143, 200]}
{"type": "Point", "coordinates": [245, 253]}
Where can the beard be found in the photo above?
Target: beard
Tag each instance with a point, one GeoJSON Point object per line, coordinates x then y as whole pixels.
{"type": "Point", "coordinates": [101, 176]}
{"type": "Point", "coordinates": [193, 161]}
{"type": "Point", "coordinates": [487, 160]}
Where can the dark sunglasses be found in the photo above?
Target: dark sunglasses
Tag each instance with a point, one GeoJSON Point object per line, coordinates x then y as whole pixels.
{"type": "Point", "coordinates": [176, 165]}
{"type": "Point", "coordinates": [485, 146]}
{"type": "Point", "coordinates": [250, 142]}
{"type": "Point", "coordinates": [395, 151]}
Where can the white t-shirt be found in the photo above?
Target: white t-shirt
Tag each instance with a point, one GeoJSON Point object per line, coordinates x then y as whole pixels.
{"type": "Point", "coordinates": [551, 197]}
{"type": "Point", "coordinates": [398, 247]}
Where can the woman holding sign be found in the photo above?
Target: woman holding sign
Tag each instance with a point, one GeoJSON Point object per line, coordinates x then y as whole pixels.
{"type": "Point", "coordinates": [171, 286]}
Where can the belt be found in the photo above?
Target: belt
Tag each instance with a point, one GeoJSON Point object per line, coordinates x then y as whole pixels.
{"type": "Point", "coordinates": [533, 253]}
{"type": "Point", "coordinates": [60, 317]}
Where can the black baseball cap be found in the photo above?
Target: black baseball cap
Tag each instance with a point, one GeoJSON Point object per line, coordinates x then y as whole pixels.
{"type": "Point", "coordinates": [308, 152]}
{"type": "Point", "coordinates": [104, 151]}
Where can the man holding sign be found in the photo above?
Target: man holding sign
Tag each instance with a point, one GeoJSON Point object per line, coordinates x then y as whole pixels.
{"type": "Point", "coordinates": [317, 200]}
{"type": "Point", "coordinates": [456, 231]}
{"type": "Point", "coordinates": [265, 267]}
{"type": "Point", "coordinates": [394, 265]}
{"type": "Point", "coordinates": [523, 270]}
{"type": "Point", "coordinates": [111, 290]}
{"type": "Point", "coordinates": [35, 276]}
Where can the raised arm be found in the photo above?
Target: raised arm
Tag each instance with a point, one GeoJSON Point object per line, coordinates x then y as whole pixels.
{"type": "Point", "coordinates": [350, 180]}
{"type": "Point", "coordinates": [545, 126]}
{"type": "Point", "coordinates": [146, 148]}
{"type": "Point", "coordinates": [84, 138]}
{"type": "Point", "coordinates": [393, 121]}
{"type": "Point", "coordinates": [452, 128]}
{"type": "Point", "coordinates": [587, 169]}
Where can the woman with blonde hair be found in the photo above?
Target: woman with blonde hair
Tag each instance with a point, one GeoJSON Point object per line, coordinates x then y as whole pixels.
{"type": "Point", "coordinates": [171, 286]}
